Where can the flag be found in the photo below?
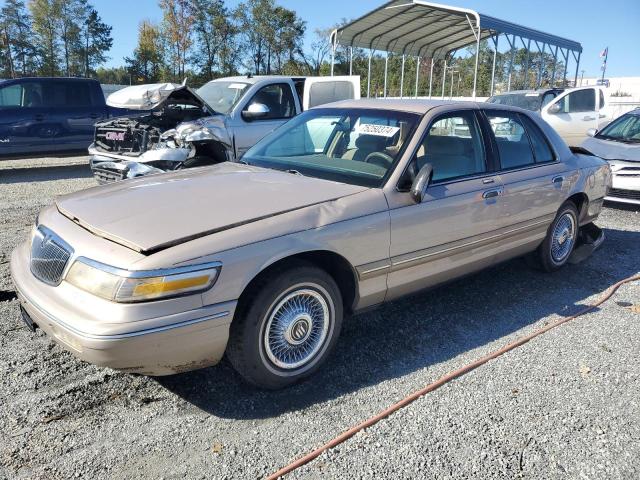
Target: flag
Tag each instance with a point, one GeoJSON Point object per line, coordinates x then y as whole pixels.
{"type": "Point", "coordinates": [604, 53]}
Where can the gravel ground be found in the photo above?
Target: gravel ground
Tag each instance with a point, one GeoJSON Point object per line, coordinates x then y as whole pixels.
{"type": "Point", "coordinates": [565, 405]}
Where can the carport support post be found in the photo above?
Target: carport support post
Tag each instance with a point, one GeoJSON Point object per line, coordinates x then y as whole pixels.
{"type": "Point", "coordinates": [444, 77]}
{"type": "Point", "coordinates": [417, 75]}
{"type": "Point", "coordinates": [526, 69]}
{"type": "Point", "coordinates": [333, 50]}
{"type": "Point", "coordinates": [493, 68]}
{"type": "Point", "coordinates": [431, 77]}
{"type": "Point", "coordinates": [402, 78]}
{"type": "Point", "coordinates": [350, 60]}
{"type": "Point", "coordinates": [575, 79]}
{"type": "Point", "coordinates": [369, 73]}
{"type": "Point", "coordinates": [512, 44]}
{"type": "Point", "coordinates": [475, 72]}
{"type": "Point", "coordinates": [553, 72]}
{"type": "Point", "coordinates": [566, 64]}
{"type": "Point", "coordinates": [386, 67]}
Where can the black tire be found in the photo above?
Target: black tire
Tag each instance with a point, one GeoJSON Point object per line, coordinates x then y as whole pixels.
{"type": "Point", "coordinates": [550, 260]}
{"type": "Point", "coordinates": [197, 161]}
{"type": "Point", "coordinates": [254, 357]}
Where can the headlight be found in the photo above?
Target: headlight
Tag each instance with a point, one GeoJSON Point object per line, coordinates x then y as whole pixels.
{"type": "Point", "coordinates": [135, 286]}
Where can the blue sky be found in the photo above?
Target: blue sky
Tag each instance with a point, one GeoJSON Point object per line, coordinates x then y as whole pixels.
{"type": "Point", "coordinates": [594, 23]}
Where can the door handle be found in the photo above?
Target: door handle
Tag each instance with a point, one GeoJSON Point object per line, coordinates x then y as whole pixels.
{"type": "Point", "coordinates": [487, 181]}
{"type": "Point", "coordinates": [587, 118]}
{"type": "Point", "coordinates": [39, 117]}
{"type": "Point", "coordinates": [558, 180]}
{"type": "Point", "coordinates": [492, 193]}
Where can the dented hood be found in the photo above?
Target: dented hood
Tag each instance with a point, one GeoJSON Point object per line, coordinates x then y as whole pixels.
{"type": "Point", "coordinates": [153, 96]}
{"type": "Point", "coordinates": [160, 211]}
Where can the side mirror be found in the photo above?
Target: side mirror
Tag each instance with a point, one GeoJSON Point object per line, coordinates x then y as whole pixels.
{"type": "Point", "coordinates": [255, 110]}
{"type": "Point", "coordinates": [592, 132]}
{"type": "Point", "coordinates": [555, 108]}
{"type": "Point", "coordinates": [421, 182]}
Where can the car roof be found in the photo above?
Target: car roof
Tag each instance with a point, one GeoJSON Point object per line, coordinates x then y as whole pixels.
{"type": "Point", "coordinates": [521, 92]}
{"type": "Point", "coordinates": [253, 79]}
{"type": "Point", "coordinates": [415, 105]}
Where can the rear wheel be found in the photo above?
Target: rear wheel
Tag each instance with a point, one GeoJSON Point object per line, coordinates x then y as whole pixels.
{"type": "Point", "coordinates": [561, 238]}
{"type": "Point", "coordinates": [288, 328]}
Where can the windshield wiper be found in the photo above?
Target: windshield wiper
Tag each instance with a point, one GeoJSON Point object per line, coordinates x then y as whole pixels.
{"type": "Point", "coordinates": [294, 172]}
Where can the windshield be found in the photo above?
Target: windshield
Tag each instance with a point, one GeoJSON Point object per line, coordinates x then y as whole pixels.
{"type": "Point", "coordinates": [528, 101]}
{"type": "Point", "coordinates": [355, 146]}
{"type": "Point", "coordinates": [624, 129]}
{"type": "Point", "coordinates": [222, 96]}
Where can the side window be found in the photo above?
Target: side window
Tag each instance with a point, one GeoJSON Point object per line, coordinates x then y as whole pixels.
{"type": "Point", "coordinates": [513, 144]}
{"type": "Point", "coordinates": [578, 101]}
{"type": "Point", "coordinates": [601, 99]}
{"type": "Point", "coordinates": [453, 146]}
{"type": "Point", "coordinates": [78, 94]}
{"type": "Point", "coordinates": [278, 99]}
{"type": "Point", "coordinates": [11, 96]}
{"type": "Point", "coordinates": [541, 149]}
{"type": "Point", "coordinates": [547, 97]}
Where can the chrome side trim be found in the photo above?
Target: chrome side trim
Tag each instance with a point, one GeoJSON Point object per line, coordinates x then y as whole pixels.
{"type": "Point", "coordinates": [418, 257]}
{"type": "Point", "coordinates": [121, 336]}
{"type": "Point", "coordinates": [373, 269]}
{"type": "Point", "coordinates": [400, 262]}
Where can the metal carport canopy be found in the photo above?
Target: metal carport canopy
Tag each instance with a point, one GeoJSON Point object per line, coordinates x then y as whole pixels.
{"type": "Point", "coordinates": [424, 29]}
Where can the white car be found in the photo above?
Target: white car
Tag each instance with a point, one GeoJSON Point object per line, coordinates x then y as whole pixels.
{"type": "Point", "coordinates": [619, 144]}
{"type": "Point", "coordinates": [571, 112]}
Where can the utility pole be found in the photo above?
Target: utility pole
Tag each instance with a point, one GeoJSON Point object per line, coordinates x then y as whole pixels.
{"type": "Point", "coordinates": [581, 76]}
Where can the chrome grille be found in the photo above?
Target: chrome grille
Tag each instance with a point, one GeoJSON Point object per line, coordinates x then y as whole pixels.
{"type": "Point", "coordinates": [49, 256]}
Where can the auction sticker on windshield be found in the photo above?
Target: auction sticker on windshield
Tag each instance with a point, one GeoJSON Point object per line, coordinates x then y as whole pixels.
{"type": "Point", "coordinates": [380, 130]}
{"type": "Point", "coordinates": [238, 86]}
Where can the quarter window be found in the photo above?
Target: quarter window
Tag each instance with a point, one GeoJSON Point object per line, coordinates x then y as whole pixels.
{"type": "Point", "coordinates": [513, 144]}
{"type": "Point", "coordinates": [541, 149]}
{"type": "Point", "coordinates": [278, 99]}
{"type": "Point", "coordinates": [453, 146]}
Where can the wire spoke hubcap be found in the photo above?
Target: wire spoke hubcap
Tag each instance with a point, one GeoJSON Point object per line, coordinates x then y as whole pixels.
{"type": "Point", "coordinates": [563, 237]}
{"type": "Point", "coordinates": [297, 328]}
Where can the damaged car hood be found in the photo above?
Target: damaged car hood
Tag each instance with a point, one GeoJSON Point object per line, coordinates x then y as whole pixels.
{"type": "Point", "coordinates": [612, 150]}
{"type": "Point", "coordinates": [160, 211]}
{"type": "Point", "coordinates": [153, 96]}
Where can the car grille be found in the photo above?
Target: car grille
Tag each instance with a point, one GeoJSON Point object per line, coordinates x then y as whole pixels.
{"type": "Point", "coordinates": [106, 175]}
{"type": "Point", "coordinates": [628, 194]}
{"type": "Point", "coordinates": [49, 256]}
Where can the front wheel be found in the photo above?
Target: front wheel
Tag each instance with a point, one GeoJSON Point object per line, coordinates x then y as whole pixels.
{"type": "Point", "coordinates": [289, 327]}
{"type": "Point", "coordinates": [561, 238]}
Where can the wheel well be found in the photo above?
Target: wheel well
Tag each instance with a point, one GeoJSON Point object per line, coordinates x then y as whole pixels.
{"type": "Point", "coordinates": [332, 263]}
{"type": "Point", "coordinates": [581, 201]}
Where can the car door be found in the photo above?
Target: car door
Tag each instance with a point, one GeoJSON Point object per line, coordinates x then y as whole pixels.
{"type": "Point", "coordinates": [535, 182]}
{"type": "Point", "coordinates": [279, 100]}
{"type": "Point", "coordinates": [451, 231]}
{"type": "Point", "coordinates": [22, 117]}
{"type": "Point", "coordinates": [572, 113]}
{"type": "Point", "coordinates": [78, 113]}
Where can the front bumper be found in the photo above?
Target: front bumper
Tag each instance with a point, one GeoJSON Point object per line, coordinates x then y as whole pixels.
{"type": "Point", "coordinates": [110, 167]}
{"type": "Point", "coordinates": [625, 186]}
{"type": "Point", "coordinates": [150, 345]}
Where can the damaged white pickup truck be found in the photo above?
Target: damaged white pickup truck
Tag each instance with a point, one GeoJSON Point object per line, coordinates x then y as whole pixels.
{"type": "Point", "coordinates": [184, 128]}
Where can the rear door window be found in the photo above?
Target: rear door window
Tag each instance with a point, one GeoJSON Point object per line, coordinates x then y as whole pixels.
{"type": "Point", "coordinates": [511, 138]}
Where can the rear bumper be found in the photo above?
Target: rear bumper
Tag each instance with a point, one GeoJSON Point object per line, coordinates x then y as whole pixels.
{"type": "Point", "coordinates": [161, 345]}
